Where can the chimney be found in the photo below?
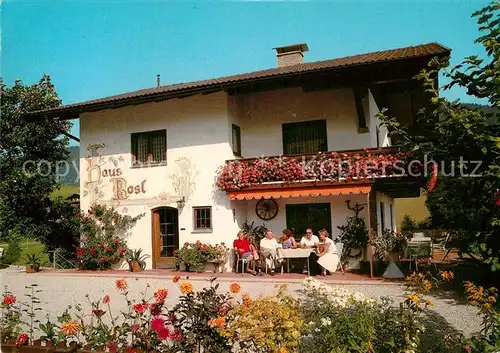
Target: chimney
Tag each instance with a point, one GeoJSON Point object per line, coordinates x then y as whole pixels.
{"type": "Point", "coordinates": [291, 54]}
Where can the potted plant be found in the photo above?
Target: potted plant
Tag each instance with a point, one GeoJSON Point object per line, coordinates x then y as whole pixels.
{"type": "Point", "coordinates": [217, 255]}
{"type": "Point", "coordinates": [388, 247]}
{"type": "Point", "coordinates": [254, 234]}
{"type": "Point", "coordinates": [193, 256]}
{"type": "Point", "coordinates": [354, 236]}
{"type": "Point", "coordinates": [33, 262]}
{"type": "Point", "coordinates": [136, 260]}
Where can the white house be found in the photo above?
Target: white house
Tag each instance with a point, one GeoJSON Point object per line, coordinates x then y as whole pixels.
{"type": "Point", "coordinates": [158, 151]}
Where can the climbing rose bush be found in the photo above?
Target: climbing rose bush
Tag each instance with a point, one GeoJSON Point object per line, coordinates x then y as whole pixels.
{"type": "Point", "coordinates": [367, 164]}
{"type": "Point", "coordinates": [103, 237]}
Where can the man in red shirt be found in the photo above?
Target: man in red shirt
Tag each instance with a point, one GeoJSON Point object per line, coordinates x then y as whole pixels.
{"type": "Point", "coordinates": [244, 248]}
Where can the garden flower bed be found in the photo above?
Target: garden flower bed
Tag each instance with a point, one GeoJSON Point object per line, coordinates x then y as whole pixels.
{"type": "Point", "coordinates": [322, 318]}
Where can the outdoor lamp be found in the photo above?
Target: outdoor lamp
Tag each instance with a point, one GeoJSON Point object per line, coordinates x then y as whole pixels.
{"type": "Point", "coordinates": [181, 203]}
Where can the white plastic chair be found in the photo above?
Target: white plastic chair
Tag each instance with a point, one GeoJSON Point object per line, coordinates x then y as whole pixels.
{"type": "Point", "coordinates": [340, 248]}
{"type": "Point", "coordinates": [243, 262]}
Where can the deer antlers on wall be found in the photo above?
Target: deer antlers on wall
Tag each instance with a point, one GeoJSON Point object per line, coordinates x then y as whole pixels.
{"type": "Point", "coordinates": [356, 208]}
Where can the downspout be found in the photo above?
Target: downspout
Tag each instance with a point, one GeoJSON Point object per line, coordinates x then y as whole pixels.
{"type": "Point", "coordinates": [370, 248]}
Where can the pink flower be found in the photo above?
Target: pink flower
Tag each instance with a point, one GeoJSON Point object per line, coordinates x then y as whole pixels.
{"type": "Point", "coordinates": [112, 346]}
{"type": "Point", "coordinates": [176, 336]}
{"type": "Point", "coordinates": [22, 339]}
{"type": "Point", "coordinates": [157, 323]}
{"type": "Point", "coordinates": [134, 328]}
{"type": "Point", "coordinates": [497, 198]}
{"type": "Point", "coordinates": [139, 307]}
{"type": "Point", "coordinates": [164, 333]}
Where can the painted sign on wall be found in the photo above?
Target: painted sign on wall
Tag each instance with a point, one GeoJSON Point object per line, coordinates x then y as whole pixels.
{"type": "Point", "coordinates": [121, 190]}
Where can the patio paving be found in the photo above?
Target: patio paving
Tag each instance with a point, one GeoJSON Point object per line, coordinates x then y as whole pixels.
{"type": "Point", "coordinates": [337, 278]}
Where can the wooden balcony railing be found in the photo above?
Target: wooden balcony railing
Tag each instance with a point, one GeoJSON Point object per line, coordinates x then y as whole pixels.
{"type": "Point", "coordinates": [324, 166]}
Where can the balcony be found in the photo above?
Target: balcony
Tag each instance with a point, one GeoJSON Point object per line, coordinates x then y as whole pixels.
{"type": "Point", "coordinates": [385, 167]}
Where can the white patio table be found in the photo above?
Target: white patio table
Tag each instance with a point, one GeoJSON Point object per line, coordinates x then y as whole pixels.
{"type": "Point", "coordinates": [296, 254]}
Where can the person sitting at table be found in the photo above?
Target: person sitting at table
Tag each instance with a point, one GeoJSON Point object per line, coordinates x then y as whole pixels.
{"type": "Point", "coordinates": [329, 258]}
{"type": "Point", "coordinates": [269, 248]}
{"type": "Point", "coordinates": [309, 240]}
{"type": "Point", "coordinates": [246, 251]}
{"type": "Point", "coordinates": [287, 240]}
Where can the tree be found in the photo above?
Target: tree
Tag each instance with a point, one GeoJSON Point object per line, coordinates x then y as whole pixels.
{"type": "Point", "coordinates": [465, 144]}
{"type": "Point", "coordinates": [29, 152]}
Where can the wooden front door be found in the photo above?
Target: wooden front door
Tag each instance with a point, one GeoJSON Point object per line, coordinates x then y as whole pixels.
{"type": "Point", "coordinates": [165, 234]}
{"type": "Point", "coordinates": [317, 216]}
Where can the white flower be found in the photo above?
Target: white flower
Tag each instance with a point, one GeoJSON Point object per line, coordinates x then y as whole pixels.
{"type": "Point", "coordinates": [326, 321]}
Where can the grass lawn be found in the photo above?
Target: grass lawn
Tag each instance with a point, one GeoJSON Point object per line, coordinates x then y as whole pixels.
{"type": "Point", "coordinates": [66, 190]}
{"type": "Point", "coordinates": [30, 246]}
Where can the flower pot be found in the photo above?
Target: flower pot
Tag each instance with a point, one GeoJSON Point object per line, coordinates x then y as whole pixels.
{"type": "Point", "coordinates": [135, 266]}
{"type": "Point", "coordinates": [216, 266]}
{"type": "Point", "coordinates": [32, 269]}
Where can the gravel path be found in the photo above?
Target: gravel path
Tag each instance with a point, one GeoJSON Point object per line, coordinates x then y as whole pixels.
{"type": "Point", "coordinates": [61, 290]}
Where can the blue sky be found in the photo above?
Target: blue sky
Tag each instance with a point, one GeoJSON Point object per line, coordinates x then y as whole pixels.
{"type": "Point", "coordinates": [96, 49]}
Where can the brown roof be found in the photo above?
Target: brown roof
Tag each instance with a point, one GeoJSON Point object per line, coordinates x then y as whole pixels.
{"type": "Point", "coordinates": [423, 50]}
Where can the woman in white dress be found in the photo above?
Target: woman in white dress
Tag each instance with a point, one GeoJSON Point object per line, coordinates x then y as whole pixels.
{"type": "Point", "coordinates": [329, 257]}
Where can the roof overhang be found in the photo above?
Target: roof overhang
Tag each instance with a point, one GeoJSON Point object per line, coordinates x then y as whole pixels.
{"type": "Point", "coordinates": [329, 70]}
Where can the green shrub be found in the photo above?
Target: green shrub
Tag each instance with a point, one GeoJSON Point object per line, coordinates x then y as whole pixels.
{"type": "Point", "coordinates": [13, 251]}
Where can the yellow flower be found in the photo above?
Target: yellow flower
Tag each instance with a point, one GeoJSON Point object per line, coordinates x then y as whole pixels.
{"type": "Point", "coordinates": [235, 288]}
{"type": "Point", "coordinates": [186, 288]}
{"type": "Point", "coordinates": [414, 298]}
{"type": "Point", "coordinates": [121, 284]}
{"type": "Point", "coordinates": [446, 275]}
{"type": "Point", "coordinates": [70, 328]}
{"type": "Point", "coordinates": [491, 299]}
{"type": "Point", "coordinates": [246, 299]}
{"type": "Point", "coordinates": [218, 322]}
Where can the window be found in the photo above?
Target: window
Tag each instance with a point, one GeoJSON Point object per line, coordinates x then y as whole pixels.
{"type": "Point", "coordinates": [149, 147]}
{"type": "Point", "coordinates": [317, 216]}
{"type": "Point", "coordinates": [236, 136]}
{"type": "Point", "coordinates": [202, 218]}
{"type": "Point", "coordinates": [304, 137]}
{"type": "Point", "coordinates": [391, 210]}
{"type": "Point", "coordinates": [382, 217]}
{"type": "Point", "coordinates": [358, 99]}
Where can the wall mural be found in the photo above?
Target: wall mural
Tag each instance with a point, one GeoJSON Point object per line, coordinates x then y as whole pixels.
{"type": "Point", "coordinates": [105, 172]}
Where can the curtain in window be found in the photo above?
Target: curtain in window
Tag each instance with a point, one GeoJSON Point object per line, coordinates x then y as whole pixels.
{"type": "Point", "coordinates": [142, 148]}
{"type": "Point", "coordinates": [159, 146]}
{"type": "Point", "coordinates": [149, 147]}
{"type": "Point", "coordinates": [306, 137]}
